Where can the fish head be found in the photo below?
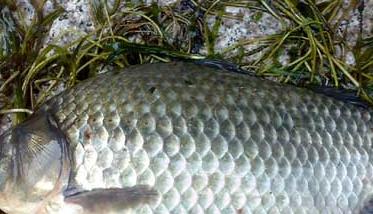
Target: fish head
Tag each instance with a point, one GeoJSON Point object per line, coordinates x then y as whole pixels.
{"type": "Point", "coordinates": [34, 165]}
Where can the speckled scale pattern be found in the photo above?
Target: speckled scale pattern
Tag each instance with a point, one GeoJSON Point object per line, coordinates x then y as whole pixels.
{"type": "Point", "coordinates": [212, 141]}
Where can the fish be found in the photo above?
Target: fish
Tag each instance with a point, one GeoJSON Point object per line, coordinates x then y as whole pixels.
{"type": "Point", "coordinates": [183, 137]}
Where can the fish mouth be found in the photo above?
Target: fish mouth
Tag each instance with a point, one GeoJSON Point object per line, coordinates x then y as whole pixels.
{"type": "Point", "coordinates": [34, 164]}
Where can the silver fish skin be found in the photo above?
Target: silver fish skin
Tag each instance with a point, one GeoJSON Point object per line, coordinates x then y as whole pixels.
{"type": "Point", "coordinates": [185, 138]}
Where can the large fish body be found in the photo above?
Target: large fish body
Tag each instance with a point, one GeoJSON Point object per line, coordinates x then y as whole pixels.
{"type": "Point", "coordinates": [186, 138]}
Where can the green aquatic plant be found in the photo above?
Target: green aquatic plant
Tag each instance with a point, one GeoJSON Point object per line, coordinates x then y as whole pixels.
{"type": "Point", "coordinates": [307, 37]}
{"type": "Point", "coordinates": [124, 35]}
{"type": "Point", "coordinates": [21, 45]}
{"type": "Point", "coordinates": [314, 43]}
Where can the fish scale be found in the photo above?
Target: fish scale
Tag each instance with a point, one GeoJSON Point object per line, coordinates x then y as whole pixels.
{"type": "Point", "coordinates": [214, 141]}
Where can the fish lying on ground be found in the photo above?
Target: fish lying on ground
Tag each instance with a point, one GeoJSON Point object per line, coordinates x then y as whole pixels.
{"type": "Point", "coordinates": [186, 138]}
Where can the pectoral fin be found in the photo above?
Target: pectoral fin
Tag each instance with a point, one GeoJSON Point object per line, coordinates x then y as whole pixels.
{"type": "Point", "coordinates": [113, 199]}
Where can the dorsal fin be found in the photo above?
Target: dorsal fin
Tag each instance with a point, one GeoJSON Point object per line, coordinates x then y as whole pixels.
{"type": "Point", "coordinates": [223, 65]}
{"type": "Point", "coordinates": [344, 95]}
